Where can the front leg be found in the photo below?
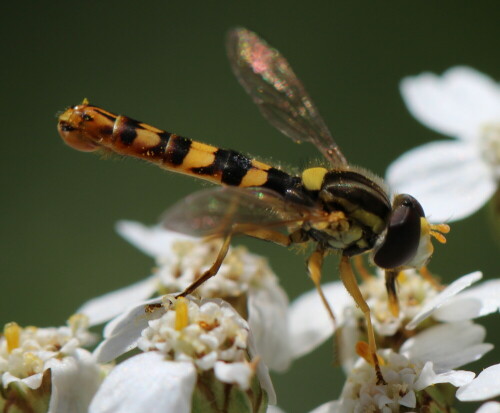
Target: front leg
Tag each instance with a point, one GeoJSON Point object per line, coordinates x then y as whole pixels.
{"type": "Point", "coordinates": [211, 271]}
{"type": "Point", "coordinates": [390, 285]}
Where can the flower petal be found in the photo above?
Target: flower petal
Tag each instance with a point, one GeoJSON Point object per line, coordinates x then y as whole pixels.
{"type": "Point", "coordinates": [146, 383]}
{"type": "Point", "coordinates": [122, 333]}
{"type": "Point", "coordinates": [455, 377]}
{"type": "Point", "coordinates": [308, 320]}
{"type": "Point", "coordinates": [329, 407]}
{"type": "Point", "coordinates": [154, 241]}
{"type": "Point", "coordinates": [33, 382]}
{"type": "Point", "coordinates": [450, 179]}
{"type": "Point", "coordinates": [456, 103]}
{"type": "Point", "coordinates": [451, 290]}
{"type": "Point", "coordinates": [267, 316]}
{"type": "Point", "coordinates": [107, 306]}
{"type": "Point", "coordinates": [490, 407]}
{"type": "Point", "coordinates": [485, 386]}
{"type": "Point", "coordinates": [448, 345]}
{"type": "Point", "coordinates": [476, 302]}
{"type": "Point", "coordinates": [75, 380]}
{"type": "Point", "coordinates": [262, 372]}
{"type": "Point", "coordinates": [234, 373]}
{"type": "Point", "coordinates": [274, 409]}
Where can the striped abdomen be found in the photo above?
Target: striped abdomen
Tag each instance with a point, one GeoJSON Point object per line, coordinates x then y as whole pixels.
{"type": "Point", "coordinates": [88, 128]}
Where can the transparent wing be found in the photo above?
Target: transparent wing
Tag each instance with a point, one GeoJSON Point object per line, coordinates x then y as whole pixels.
{"type": "Point", "coordinates": [218, 211]}
{"type": "Point", "coordinates": [269, 80]}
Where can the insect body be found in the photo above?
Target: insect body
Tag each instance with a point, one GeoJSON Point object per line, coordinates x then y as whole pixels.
{"type": "Point", "coordinates": [341, 208]}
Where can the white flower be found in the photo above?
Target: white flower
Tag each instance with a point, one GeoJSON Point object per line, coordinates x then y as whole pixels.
{"type": "Point", "coordinates": [485, 386]}
{"type": "Point", "coordinates": [428, 358]}
{"type": "Point", "coordinates": [490, 407]}
{"type": "Point", "coordinates": [243, 279]}
{"type": "Point", "coordinates": [452, 179]}
{"type": "Point", "coordinates": [32, 357]}
{"type": "Point", "coordinates": [418, 299]}
{"type": "Point", "coordinates": [184, 342]}
{"type": "Point", "coordinates": [405, 379]}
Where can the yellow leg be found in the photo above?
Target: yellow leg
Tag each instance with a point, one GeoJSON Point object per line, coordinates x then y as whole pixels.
{"type": "Point", "coordinates": [360, 268]}
{"type": "Point", "coordinates": [314, 265]}
{"type": "Point", "coordinates": [426, 274]}
{"type": "Point", "coordinates": [211, 271]}
{"type": "Point", "coordinates": [390, 285]}
{"type": "Point", "coordinates": [350, 283]}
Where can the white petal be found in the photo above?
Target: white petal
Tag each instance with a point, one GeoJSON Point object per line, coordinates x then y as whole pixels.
{"type": "Point", "coordinates": [123, 332]}
{"type": "Point", "coordinates": [274, 409]}
{"type": "Point", "coordinates": [490, 407]}
{"type": "Point", "coordinates": [455, 104]}
{"type": "Point", "coordinates": [329, 407]}
{"type": "Point", "coordinates": [154, 241]}
{"type": "Point", "coordinates": [485, 386]}
{"type": "Point", "coordinates": [428, 377]}
{"type": "Point", "coordinates": [308, 320]}
{"type": "Point", "coordinates": [33, 382]}
{"type": "Point", "coordinates": [234, 373]}
{"type": "Point", "coordinates": [107, 306]}
{"type": "Point", "coordinates": [454, 288]}
{"type": "Point", "coordinates": [75, 380]}
{"type": "Point", "coordinates": [351, 334]}
{"type": "Point", "coordinates": [408, 400]}
{"type": "Point", "coordinates": [262, 372]}
{"type": "Point", "coordinates": [450, 179]}
{"type": "Point", "coordinates": [146, 383]}
{"type": "Point", "coordinates": [448, 345]}
{"type": "Point", "coordinates": [456, 378]}
{"type": "Point", "coordinates": [267, 317]}
{"type": "Point", "coordinates": [475, 302]}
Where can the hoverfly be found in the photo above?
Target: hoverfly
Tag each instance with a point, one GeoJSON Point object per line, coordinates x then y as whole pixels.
{"type": "Point", "coordinates": [341, 208]}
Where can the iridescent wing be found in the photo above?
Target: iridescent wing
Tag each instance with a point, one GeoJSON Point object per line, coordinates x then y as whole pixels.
{"type": "Point", "coordinates": [222, 210]}
{"type": "Point", "coordinates": [269, 80]}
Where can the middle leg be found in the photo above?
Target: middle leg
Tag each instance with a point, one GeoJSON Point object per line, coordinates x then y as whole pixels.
{"type": "Point", "coordinates": [350, 283]}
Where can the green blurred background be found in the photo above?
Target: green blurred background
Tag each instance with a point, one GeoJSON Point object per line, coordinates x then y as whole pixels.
{"type": "Point", "coordinates": [164, 63]}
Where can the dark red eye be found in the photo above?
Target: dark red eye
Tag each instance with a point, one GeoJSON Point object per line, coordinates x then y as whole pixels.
{"type": "Point", "coordinates": [403, 233]}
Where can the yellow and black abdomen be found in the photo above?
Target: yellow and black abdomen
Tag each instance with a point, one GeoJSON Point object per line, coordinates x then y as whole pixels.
{"type": "Point", "coordinates": [88, 128]}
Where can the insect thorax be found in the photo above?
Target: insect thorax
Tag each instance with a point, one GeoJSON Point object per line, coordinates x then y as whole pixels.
{"type": "Point", "coordinates": [358, 211]}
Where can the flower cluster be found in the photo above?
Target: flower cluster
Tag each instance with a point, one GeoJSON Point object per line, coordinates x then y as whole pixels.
{"type": "Point", "coordinates": [164, 350]}
{"type": "Point", "coordinates": [48, 367]}
{"type": "Point", "coordinates": [244, 280]}
{"type": "Point", "coordinates": [199, 350]}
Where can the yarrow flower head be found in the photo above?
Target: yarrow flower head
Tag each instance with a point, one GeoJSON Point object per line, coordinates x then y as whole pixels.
{"type": "Point", "coordinates": [46, 368]}
{"type": "Point", "coordinates": [196, 357]}
{"type": "Point", "coordinates": [452, 179]}
{"type": "Point", "coordinates": [410, 385]}
{"type": "Point", "coordinates": [245, 280]}
{"type": "Point", "coordinates": [422, 306]}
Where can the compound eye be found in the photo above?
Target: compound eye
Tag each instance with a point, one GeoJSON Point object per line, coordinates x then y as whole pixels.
{"type": "Point", "coordinates": [410, 202]}
{"type": "Point", "coordinates": [403, 234]}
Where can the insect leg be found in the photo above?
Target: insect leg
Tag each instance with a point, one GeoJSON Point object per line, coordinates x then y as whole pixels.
{"type": "Point", "coordinates": [390, 285]}
{"type": "Point", "coordinates": [350, 283]}
{"type": "Point", "coordinates": [359, 266]}
{"type": "Point", "coordinates": [212, 270]}
{"type": "Point", "coordinates": [426, 274]}
{"type": "Point", "coordinates": [314, 265]}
